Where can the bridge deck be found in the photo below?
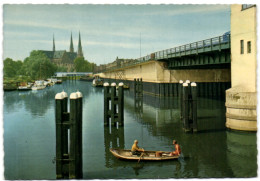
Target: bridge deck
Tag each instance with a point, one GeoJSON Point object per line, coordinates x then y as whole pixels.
{"type": "Point", "coordinates": [208, 46]}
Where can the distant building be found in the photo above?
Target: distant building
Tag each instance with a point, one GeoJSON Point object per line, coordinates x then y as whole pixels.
{"type": "Point", "coordinates": [62, 58]}
{"type": "Point", "coordinates": [119, 62]}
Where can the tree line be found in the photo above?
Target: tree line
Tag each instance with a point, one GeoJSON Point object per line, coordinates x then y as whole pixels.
{"type": "Point", "coordinates": [39, 66]}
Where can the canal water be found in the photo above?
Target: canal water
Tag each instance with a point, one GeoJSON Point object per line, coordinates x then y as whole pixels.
{"type": "Point", "coordinates": [213, 152]}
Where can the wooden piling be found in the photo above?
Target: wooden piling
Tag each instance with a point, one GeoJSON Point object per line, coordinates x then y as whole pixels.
{"type": "Point", "coordinates": [65, 118]}
{"type": "Point", "coordinates": [79, 135]}
{"type": "Point", "coordinates": [121, 104]}
{"type": "Point", "coordinates": [59, 99]}
{"type": "Point", "coordinates": [73, 137]}
{"type": "Point", "coordinates": [181, 98]}
{"type": "Point", "coordinates": [107, 97]}
{"type": "Point", "coordinates": [135, 87]}
{"type": "Point", "coordinates": [138, 87]}
{"type": "Point", "coordinates": [186, 107]}
{"type": "Point", "coordinates": [194, 106]}
{"type": "Point", "coordinates": [141, 87]}
{"type": "Point", "coordinates": [113, 104]}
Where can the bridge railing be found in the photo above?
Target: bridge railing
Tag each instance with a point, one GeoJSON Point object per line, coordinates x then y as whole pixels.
{"type": "Point", "coordinates": [195, 46]}
{"type": "Point", "coordinates": [188, 48]}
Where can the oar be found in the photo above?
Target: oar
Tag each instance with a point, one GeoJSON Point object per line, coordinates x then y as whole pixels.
{"type": "Point", "coordinates": [140, 157]}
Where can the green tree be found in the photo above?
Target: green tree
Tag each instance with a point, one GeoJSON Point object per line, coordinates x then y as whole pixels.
{"type": "Point", "coordinates": [38, 66]}
{"type": "Point", "coordinates": [79, 64]}
{"type": "Point", "coordinates": [62, 69]}
{"type": "Point", "coordinates": [82, 65]}
{"type": "Point", "coordinates": [12, 68]}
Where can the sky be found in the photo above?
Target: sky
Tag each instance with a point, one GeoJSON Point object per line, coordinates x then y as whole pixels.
{"type": "Point", "coordinates": [109, 31]}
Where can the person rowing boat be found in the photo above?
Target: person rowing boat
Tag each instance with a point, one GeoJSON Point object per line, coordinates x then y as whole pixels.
{"type": "Point", "coordinates": [135, 149]}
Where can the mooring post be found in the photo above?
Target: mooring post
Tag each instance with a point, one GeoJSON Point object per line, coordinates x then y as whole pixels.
{"type": "Point", "coordinates": [59, 99]}
{"type": "Point", "coordinates": [194, 106]}
{"type": "Point", "coordinates": [79, 110]}
{"type": "Point", "coordinates": [121, 104]}
{"type": "Point", "coordinates": [106, 103]}
{"type": "Point", "coordinates": [189, 91]}
{"type": "Point", "coordinates": [113, 103]}
{"type": "Point", "coordinates": [65, 118]}
{"type": "Point", "coordinates": [186, 106]}
{"type": "Point", "coordinates": [135, 87]}
{"type": "Point", "coordinates": [189, 103]}
{"type": "Point", "coordinates": [73, 137]}
{"type": "Point", "coordinates": [181, 98]}
{"type": "Point", "coordinates": [141, 87]}
{"type": "Point", "coordinates": [138, 87]}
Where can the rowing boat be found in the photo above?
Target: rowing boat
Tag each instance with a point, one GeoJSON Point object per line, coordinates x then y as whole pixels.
{"type": "Point", "coordinates": [146, 156]}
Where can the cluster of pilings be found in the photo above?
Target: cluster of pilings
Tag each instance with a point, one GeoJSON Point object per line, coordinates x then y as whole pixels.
{"type": "Point", "coordinates": [113, 104]}
{"type": "Point", "coordinates": [188, 105]}
{"type": "Point", "coordinates": [138, 87]}
{"type": "Point", "coordinates": [68, 136]}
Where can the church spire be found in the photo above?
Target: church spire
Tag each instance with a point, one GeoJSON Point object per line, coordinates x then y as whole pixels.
{"type": "Point", "coordinates": [80, 53]}
{"type": "Point", "coordinates": [53, 47]}
{"type": "Point", "coordinates": [71, 44]}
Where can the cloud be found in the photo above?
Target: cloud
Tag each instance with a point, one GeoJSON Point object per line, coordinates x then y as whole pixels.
{"type": "Point", "coordinates": [34, 24]}
{"type": "Point", "coordinates": [189, 9]}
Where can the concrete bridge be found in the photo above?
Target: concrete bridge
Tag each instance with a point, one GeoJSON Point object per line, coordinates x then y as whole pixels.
{"type": "Point", "coordinates": [208, 63]}
{"type": "Point", "coordinates": [205, 62]}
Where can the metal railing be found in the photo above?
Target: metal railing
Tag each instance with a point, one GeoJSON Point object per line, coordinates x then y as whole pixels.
{"type": "Point", "coordinates": [190, 48]}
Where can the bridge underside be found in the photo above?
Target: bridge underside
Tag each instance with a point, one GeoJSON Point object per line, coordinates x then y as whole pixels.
{"type": "Point", "coordinates": [206, 60]}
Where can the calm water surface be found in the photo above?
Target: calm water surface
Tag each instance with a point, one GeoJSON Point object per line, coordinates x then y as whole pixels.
{"type": "Point", "coordinates": [214, 152]}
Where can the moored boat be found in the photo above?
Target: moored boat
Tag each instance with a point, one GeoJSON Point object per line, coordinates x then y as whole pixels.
{"type": "Point", "coordinates": [59, 81]}
{"type": "Point", "coordinates": [24, 86]}
{"type": "Point", "coordinates": [88, 78]}
{"type": "Point", "coordinates": [146, 156]}
{"type": "Point", "coordinates": [39, 84]}
{"type": "Point", "coordinates": [97, 82]}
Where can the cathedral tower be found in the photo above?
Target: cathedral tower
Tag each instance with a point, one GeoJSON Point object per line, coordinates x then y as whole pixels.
{"type": "Point", "coordinates": [71, 44]}
{"type": "Point", "coordinates": [80, 53]}
{"type": "Point", "coordinates": [53, 46]}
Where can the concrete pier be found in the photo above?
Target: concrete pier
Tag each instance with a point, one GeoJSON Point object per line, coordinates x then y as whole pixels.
{"type": "Point", "coordinates": [241, 99]}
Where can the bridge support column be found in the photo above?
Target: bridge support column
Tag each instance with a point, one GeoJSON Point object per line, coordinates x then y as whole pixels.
{"type": "Point", "coordinates": [241, 109]}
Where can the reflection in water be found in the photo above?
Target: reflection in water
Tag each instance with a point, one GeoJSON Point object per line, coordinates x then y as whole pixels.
{"type": "Point", "coordinates": [137, 167]}
{"type": "Point", "coordinates": [242, 153]}
{"type": "Point", "coordinates": [29, 137]}
{"type": "Point", "coordinates": [113, 138]}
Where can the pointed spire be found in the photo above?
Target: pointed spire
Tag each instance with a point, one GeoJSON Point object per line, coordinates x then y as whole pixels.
{"type": "Point", "coordinates": [80, 53]}
{"type": "Point", "coordinates": [71, 44]}
{"type": "Point", "coordinates": [53, 47]}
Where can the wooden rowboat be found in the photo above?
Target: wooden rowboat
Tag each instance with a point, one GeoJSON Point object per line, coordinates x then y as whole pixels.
{"type": "Point", "coordinates": [146, 156]}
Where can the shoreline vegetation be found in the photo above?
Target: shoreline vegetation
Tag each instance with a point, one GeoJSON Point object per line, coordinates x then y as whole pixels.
{"type": "Point", "coordinates": [37, 67]}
